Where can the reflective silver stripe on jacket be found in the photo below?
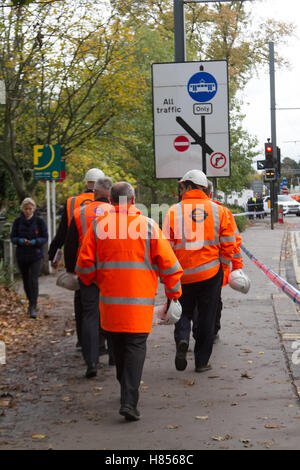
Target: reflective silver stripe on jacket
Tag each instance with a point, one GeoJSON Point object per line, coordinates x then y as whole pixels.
{"type": "Point", "coordinates": [175, 288]}
{"type": "Point", "coordinates": [201, 268]}
{"type": "Point", "coordinates": [83, 220]}
{"type": "Point", "coordinates": [126, 300]}
{"type": "Point", "coordinates": [171, 270]}
{"type": "Point", "coordinates": [224, 260]}
{"type": "Point", "coordinates": [88, 270]}
{"type": "Point", "coordinates": [227, 239]}
{"type": "Point", "coordinates": [72, 206]}
{"type": "Point", "coordinates": [237, 255]}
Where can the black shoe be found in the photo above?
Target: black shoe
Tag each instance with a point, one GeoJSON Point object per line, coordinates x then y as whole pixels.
{"type": "Point", "coordinates": [129, 412]}
{"type": "Point", "coordinates": [91, 371]}
{"type": "Point", "coordinates": [33, 312]}
{"type": "Point", "coordinates": [203, 368]}
{"type": "Point", "coordinates": [180, 358]}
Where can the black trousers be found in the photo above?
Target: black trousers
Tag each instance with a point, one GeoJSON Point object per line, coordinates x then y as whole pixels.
{"type": "Point", "coordinates": [90, 322]}
{"type": "Point", "coordinates": [78, 314]}
{"type": "Point", "coordinates": [30, 276]}
{"type": "Point", "coordinates": [89, 332]}
{"type": "Point", "coordinates": [199, 302]}
{"type": "Point", "coordinates": [130, 353]}
{"type": "Point", "coordinates": [218, 316]}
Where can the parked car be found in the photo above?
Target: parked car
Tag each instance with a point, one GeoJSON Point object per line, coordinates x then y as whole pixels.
{"type": "Point", "coordinates": [286, 203]}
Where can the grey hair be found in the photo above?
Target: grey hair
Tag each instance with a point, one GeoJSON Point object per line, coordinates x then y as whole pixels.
{"type": "Point", "coordinates": [103, 184]}
{"type": "Point", "coordinates": [122, 190]}
{"type": "Point", "coordinates": [26, 202]}
{"type": "Point", "coordinates": [209, 187]}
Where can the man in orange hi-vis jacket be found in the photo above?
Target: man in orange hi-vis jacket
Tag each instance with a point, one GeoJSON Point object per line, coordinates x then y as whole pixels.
{"type": "Point", "coordinates": [203, 240]}
{"type": "Point", "coordinates": [124, 252]}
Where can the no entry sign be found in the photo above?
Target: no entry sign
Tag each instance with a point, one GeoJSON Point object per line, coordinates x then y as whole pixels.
{"type": "Point", "coordinates": [181, 143]}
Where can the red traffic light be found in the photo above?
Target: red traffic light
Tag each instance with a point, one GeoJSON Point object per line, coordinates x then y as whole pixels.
{"type": "Point", "coordinates": [269, 148]}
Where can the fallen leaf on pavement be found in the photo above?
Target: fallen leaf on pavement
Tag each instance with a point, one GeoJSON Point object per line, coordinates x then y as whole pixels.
{"type": "Point", "coordinates": [246, 376]}
{"type": "Point", "coordinates": [38, 436]}
{"type": "Point", "coordinates": [188, 383]}
{"type": "Point", "coordinates": [201, 417]}
{"type": "Point", "coordinates": [172, 426]}
{"type": "Point", "coordinates": [268, 444]}
{"type": "Point", "coordinates": [5, 403]}
{"type": "Point", "coordinates": [227, 437]}
{"type": "Point", "coordinates": [272, 426]}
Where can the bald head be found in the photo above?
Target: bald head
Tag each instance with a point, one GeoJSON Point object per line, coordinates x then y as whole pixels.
{"type": "Point", "coordinates": [122, 192]}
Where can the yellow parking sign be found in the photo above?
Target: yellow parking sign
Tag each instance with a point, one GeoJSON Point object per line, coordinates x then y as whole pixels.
{"type": "Point", "coordinates": [47, 162]}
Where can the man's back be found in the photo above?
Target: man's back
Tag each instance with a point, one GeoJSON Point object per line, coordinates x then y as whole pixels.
{"type": "Point", "coordinates": [201, 236]}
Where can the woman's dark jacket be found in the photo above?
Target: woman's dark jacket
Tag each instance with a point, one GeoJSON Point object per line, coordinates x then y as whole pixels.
{"type": "Point", "coordinates": [33, 229]}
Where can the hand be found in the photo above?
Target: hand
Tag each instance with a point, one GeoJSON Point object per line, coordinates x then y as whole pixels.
{"type": "Point", "coordinates": [26, 242]}
{"type": "Point", "coordinates": [54, 265]}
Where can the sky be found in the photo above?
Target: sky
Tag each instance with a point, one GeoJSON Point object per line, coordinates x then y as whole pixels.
{"type": "Point", "coordinates": [256, 95]}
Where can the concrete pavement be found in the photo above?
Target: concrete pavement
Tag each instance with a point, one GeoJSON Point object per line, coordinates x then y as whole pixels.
{"type": "Point", "coordinates": [249, 400]}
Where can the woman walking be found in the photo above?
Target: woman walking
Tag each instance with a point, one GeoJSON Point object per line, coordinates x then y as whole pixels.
{"type": "Point", "coordinates": [29, 233]}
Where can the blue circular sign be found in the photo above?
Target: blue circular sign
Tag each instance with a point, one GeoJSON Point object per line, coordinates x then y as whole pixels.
{"type": "Point", "coordinates": [202, 87]}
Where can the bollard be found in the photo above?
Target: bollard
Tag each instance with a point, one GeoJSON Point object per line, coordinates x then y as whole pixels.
{"type": "Point", "coordinates": [2, 353]}
{"type": "Point", "coordinates": [280, 217]}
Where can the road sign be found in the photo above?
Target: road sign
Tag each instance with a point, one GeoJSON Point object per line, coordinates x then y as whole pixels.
{"type": "Point", "coordinates": [190, 99]}
{"type": "Point", "coordinates": [261, 164]}
{"type": "Point", "coordinates": [218, 160]}
{"type": "Point", "coordinates": [47, 162]}
{"type": "Point", "coordinates": [181, 143]}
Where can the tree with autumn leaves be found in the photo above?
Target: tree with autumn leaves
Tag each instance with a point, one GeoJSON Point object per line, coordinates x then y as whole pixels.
{"type": "Point", "coordinates": [78, 73]}
{"type": "Point", "coordinates": [68, 70]}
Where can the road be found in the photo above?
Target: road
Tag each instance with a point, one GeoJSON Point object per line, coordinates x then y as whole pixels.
{"type": "Point", "coordinates": [249, 400]}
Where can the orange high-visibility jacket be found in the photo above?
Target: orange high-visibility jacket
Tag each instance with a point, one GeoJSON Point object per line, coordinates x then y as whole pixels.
{"type": "Point", "coordinates": [237, 260]}
{"type": "Point", "coordinates": [201, 236]}
{"type": "Point", "coordinates": [85, 215]}
{"type": "Point", "coordinates": [124, 252]}
{"type": "Point", "coordinates": [73, 202]}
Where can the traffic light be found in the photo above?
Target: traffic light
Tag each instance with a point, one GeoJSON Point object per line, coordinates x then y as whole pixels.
{"type": "Point", "coordinates": [278, 162]}
{"type": "Point", "coordinates": [269, 156]}
{"type": "Point", "coordinates": [270, 174]}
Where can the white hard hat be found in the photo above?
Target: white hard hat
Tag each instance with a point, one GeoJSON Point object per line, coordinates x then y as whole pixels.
{"type": "Point", "coordinates": [93, 174]}
{"type": "Point", "coordinates": [196, 177]}
{"type": "Point", "coordinates": [170, 316]}
{"type": "Point", "coordinates": [238, 280]}
{"type": "Point", "coordinates": [68, 281]}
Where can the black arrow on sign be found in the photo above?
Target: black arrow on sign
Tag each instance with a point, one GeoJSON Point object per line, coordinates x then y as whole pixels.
{"type": "Point", "coordinates": [198, 140]}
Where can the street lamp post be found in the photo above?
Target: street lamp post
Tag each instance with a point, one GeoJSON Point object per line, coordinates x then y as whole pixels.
{"type": "Point", "coordinates": [179, 39]}
{"type": "Point", "coordinates": [179, 27]}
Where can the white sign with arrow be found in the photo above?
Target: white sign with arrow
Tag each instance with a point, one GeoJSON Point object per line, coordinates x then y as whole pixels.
{"type": "Point", "coordinates": [191, 125]}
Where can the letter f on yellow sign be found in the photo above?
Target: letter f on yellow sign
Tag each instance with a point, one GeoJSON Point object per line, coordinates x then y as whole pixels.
{"type": "Point", "coordinates": [37, 153]}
